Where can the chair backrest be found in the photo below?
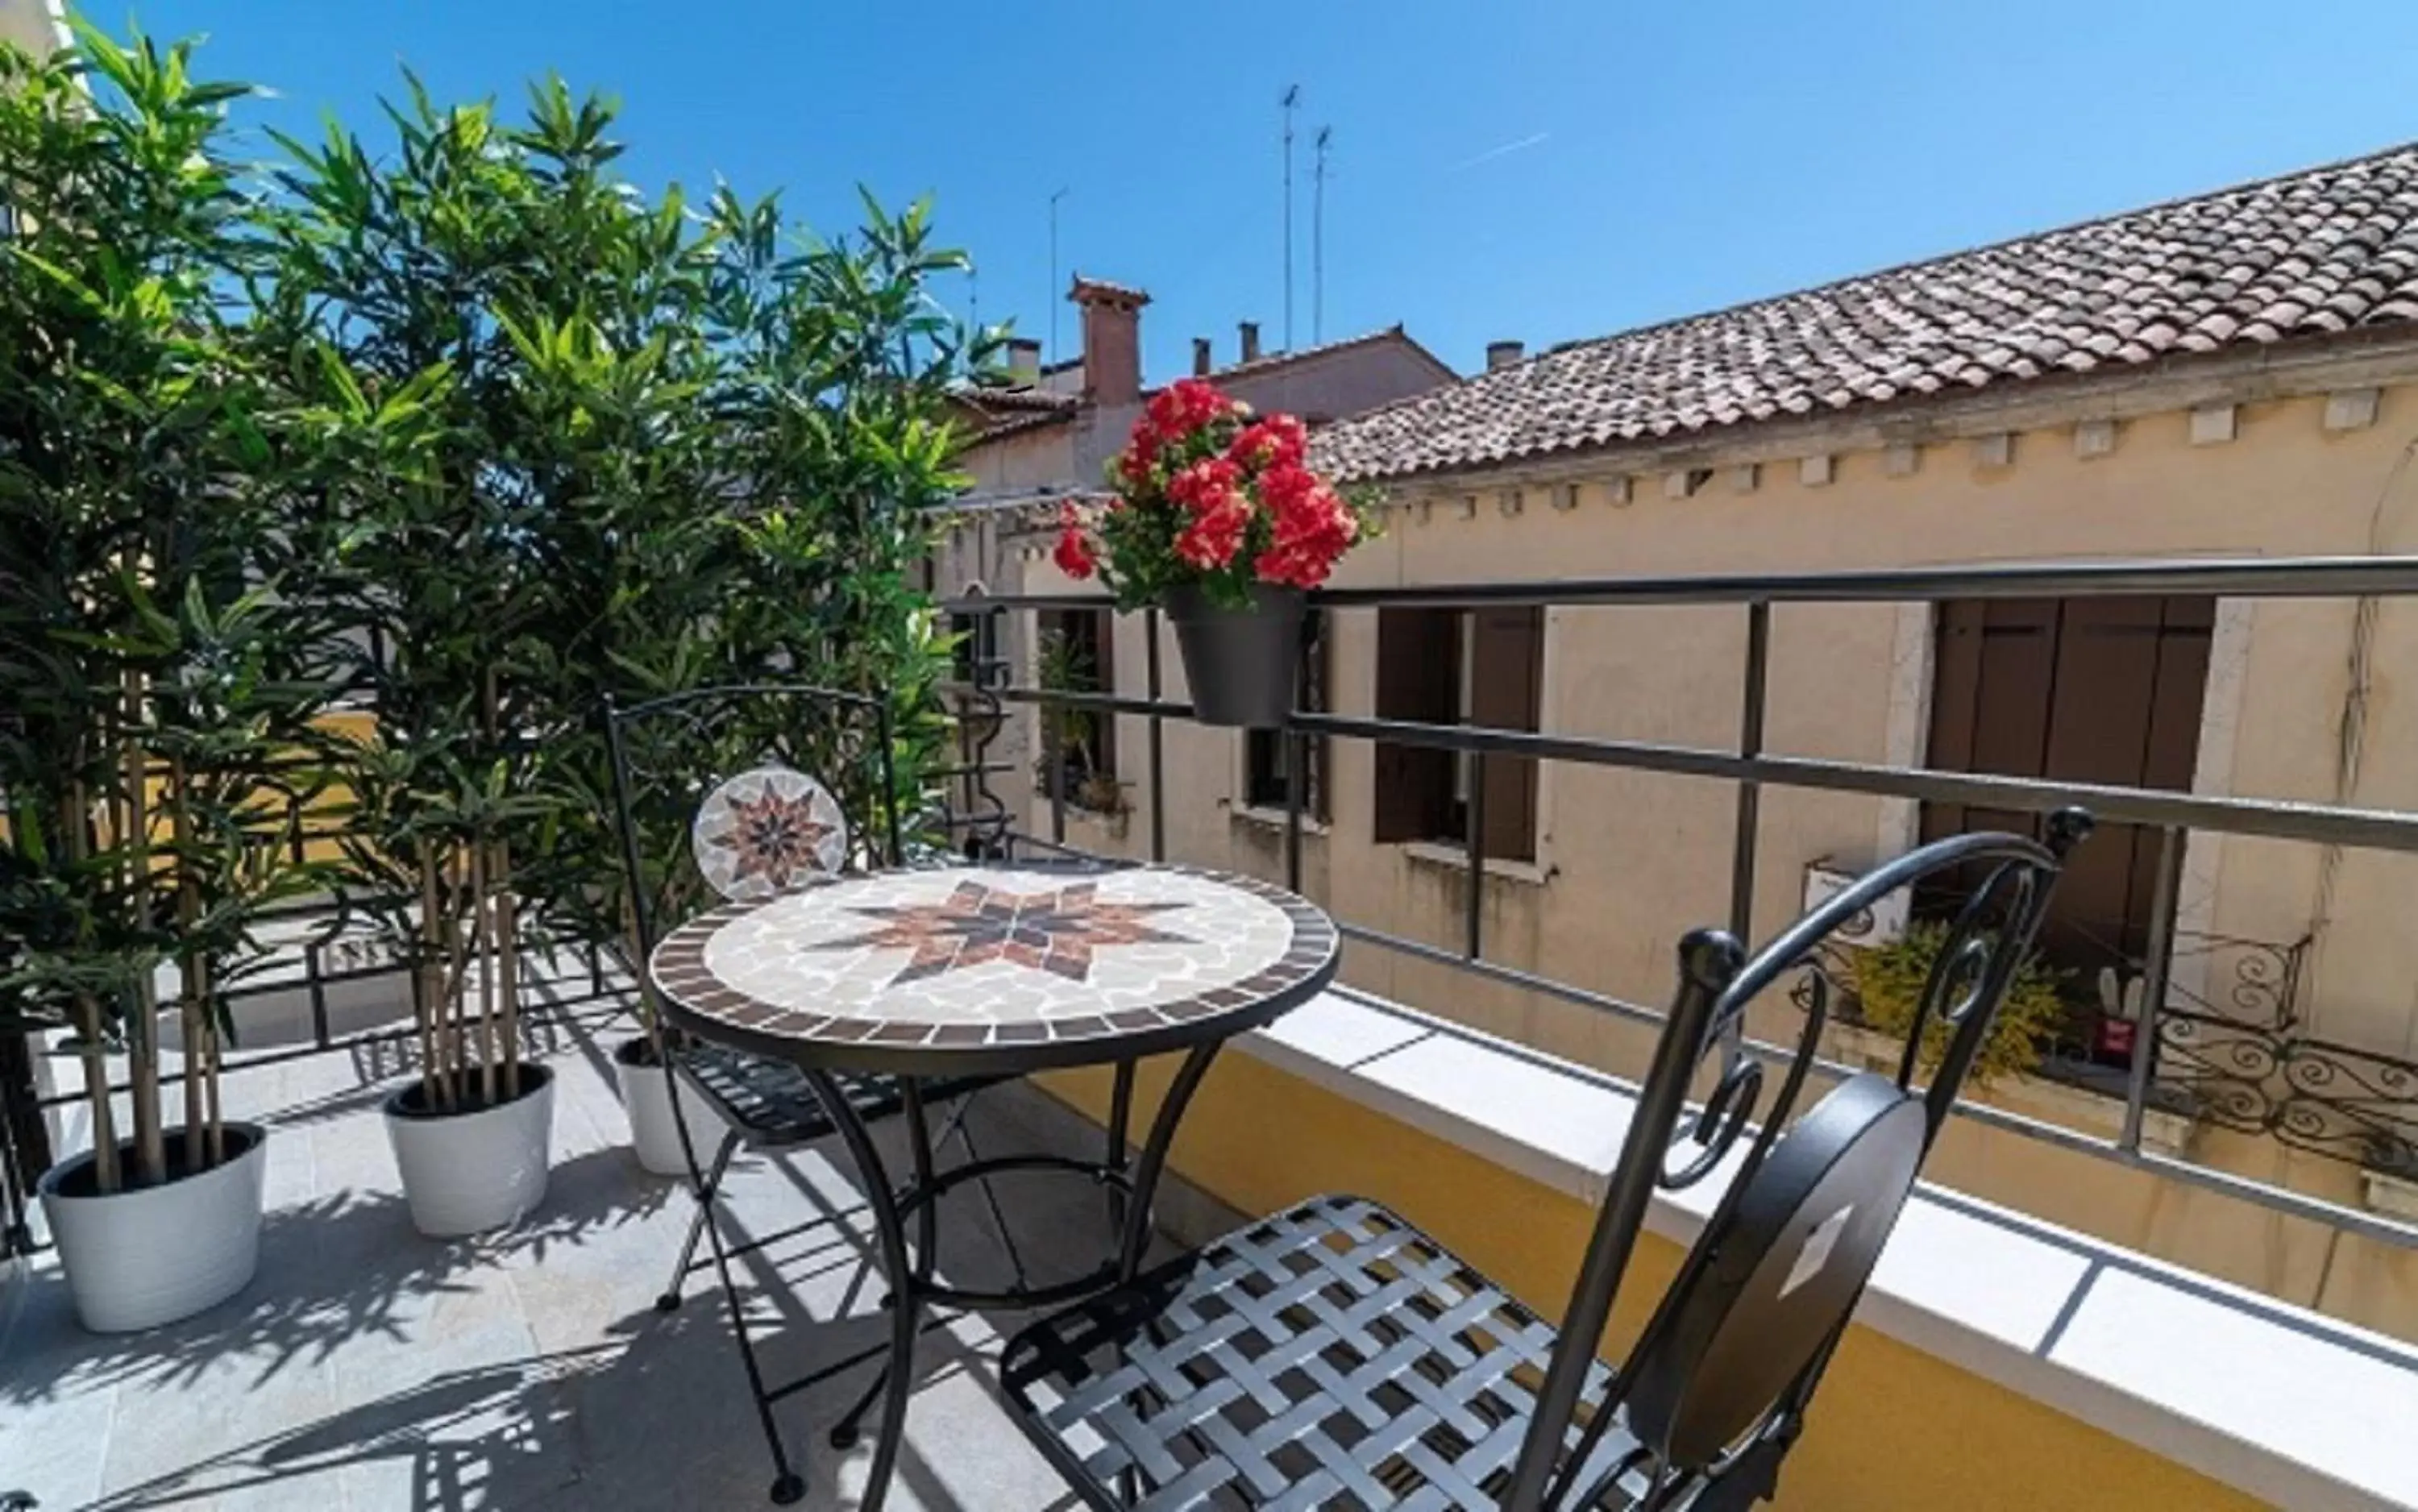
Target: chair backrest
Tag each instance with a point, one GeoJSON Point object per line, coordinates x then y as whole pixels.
{"type": "Point", "coordinates": [1718, 1380]}
{"type": "Point", "coordinates": [744, 790]}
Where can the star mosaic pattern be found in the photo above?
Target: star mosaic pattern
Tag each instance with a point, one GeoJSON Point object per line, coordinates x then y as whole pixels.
{"type": "Point", "coordinates": [1054, 931]}
{"type": "Point", "coordinates": [768, 832]}
{"type": "Point", "coordinates": [987, 957]}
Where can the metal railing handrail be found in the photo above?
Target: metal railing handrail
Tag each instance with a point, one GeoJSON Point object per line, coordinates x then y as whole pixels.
{"type": "Point", "coordinates": [2172, 815]}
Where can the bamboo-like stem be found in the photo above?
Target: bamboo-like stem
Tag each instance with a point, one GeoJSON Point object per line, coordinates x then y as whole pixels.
{"type": "Point", "coordinates": [106, 1174]}
{"type": "Point", "coordinates": [495, 927]}
{"type": "Point", "coordinates": [508, 965]}
{"type": "Point", "coordinates": [456, 999]}
{"type": "Point", "coordinates": [436, 1088]}
{"type": "Point", "coordinates": [213, 1116]}
{"type": "Point", "coordinates": [143, 1022]}
{"type": "Point", "coordinates": [483, 946]}
{"type": "Point", "coordinates": [192, 969]}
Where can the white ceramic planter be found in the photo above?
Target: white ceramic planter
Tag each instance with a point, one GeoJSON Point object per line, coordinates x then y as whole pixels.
{"type": "Point", "coordinates": [466, 1172]}
{"type": "Point", "coordinates": [647, 1100]}
{"type": "Point", "coordinates": [140, 1258]}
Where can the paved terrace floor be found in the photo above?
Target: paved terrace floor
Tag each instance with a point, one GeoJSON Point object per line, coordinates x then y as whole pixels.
{"type": "Point", "coordinates": [369, 1369]}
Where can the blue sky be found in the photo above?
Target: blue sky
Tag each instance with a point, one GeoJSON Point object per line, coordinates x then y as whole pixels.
{"type": "Point", "coordinates": [1543, 171]}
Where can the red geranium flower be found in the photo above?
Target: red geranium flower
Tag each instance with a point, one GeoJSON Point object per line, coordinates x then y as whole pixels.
{"type": "Point", "coordinates": [1074, 555]}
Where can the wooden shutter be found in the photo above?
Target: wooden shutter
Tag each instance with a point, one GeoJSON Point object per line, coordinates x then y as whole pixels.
{"type": "Point", "coordinates": [2083, 689]}
{"type": "Point", "coordinates": [1419, 667]}
{"type": "Point", "coordinates": [1507, 667]}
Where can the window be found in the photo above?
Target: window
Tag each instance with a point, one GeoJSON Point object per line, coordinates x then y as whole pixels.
{"type": "Point", "coordinates": [1482, 667]}
{"type": "Point", "coordinates": [1267, 755]}
{"type": "Point", "coordinates": [1074, 655]}
{"type": "Point", "coordinates": [2100, 690]}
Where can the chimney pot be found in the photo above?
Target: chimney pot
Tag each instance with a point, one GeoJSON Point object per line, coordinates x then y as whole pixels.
{"type": "Point", "coordinates": [1250, 329]}
{"type": "Point", "coordinates": [1201, 361]}
{"type": "Point", "coordinates": [1503, 353]}
{"type": "Point", "coordinates": [1024, 357]}
{"type": "Point", "coordinates": [1111, 340]}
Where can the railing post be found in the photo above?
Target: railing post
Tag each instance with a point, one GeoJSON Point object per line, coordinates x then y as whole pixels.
{"type": "Point", "coordinates": [1750, 791]}
{"type": "Point", "coordinates": [1157, 738]}
{"type": "Point", "coordinates": [1296, 748]}
{"type": "Point", "coordinates": [2154, 984]}
{"type": "Point", "coordinates": [1054, 759]}
{"type": "Point", "coordinates": [1475, 839]}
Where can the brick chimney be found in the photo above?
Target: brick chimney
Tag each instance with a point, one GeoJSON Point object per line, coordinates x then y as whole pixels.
{"type": "Point", "coordinates": [1250, 329]}
{"type": "Point", "coordinates": [1024, 358]}
{"type": "Point", "coordinates": [1202, 360]}
{"type": "Point", "coordinates": [1111, 340]}
{"type": "Point", "coordinates": [1503, 353]}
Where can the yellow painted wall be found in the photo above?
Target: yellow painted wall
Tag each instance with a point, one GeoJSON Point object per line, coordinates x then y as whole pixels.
{"type": "Point", "coordinates": [1894, 1431]}
{"type": "Point", "coordinates": [1629, 860]}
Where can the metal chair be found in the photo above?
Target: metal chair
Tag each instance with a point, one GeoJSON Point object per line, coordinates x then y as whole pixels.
{"type": "Point", "coordinates": [777, 785]}
{"type": "Point", "coordinates": [1334, 1356]}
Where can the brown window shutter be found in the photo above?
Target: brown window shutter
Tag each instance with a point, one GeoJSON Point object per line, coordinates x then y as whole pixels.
{"type": "Point", "coordinates": [1418, 677]}
{"type": "Point", "coordinates": [1507, 693]}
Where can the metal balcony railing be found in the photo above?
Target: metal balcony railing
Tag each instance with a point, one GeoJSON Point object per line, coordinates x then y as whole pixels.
{"type": "Point", "coordinates": [2330, 1099]}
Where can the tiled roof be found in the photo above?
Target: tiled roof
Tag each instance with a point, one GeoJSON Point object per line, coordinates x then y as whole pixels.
{"type": "Point", "coordinates": [2298, 258]}
{"type": "Point", "coordinates": [1276, 360]}
{"type": "Point", "coordinates": [1018, 398]}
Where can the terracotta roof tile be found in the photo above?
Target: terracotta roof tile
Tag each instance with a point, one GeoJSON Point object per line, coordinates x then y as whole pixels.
{"type": "Point", "coordinates": [2310, 255]}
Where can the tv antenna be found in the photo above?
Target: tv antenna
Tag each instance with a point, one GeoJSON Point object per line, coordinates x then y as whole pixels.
{"type": "Point", "coordinates": [1053, 275]}
{"type": "Point", "coordinates": [1318, 239]}
{"type": "Point", "coordinates": [1291, 103]}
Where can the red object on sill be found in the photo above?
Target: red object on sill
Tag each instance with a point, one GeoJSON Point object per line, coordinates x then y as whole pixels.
{"type": "Point", "coordinates": [2115, 1037]}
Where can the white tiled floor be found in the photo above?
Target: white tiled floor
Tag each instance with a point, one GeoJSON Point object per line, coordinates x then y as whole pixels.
{"type": "Point", "coordinates": [368, 1368]}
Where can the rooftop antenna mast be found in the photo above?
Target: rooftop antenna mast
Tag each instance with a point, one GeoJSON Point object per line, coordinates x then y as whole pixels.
{"type": "Point", "coordinates": [1291, 103]}
{"type": "Point", "coordinates": [1053, 275]}
{"type": "Point", "coordinates": [1318, 239]}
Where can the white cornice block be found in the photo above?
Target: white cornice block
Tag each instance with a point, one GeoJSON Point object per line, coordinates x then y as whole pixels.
{"type": "Point", "coordinates": [2353, 410]}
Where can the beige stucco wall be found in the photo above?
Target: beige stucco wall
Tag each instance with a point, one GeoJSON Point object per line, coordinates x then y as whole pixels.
{"type": "Point", "coordinates": [1628, 861]}
{"type": "Point", "coordinates": [33, 24]}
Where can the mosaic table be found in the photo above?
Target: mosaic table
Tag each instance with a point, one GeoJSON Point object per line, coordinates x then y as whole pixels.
{"type": "Point", "coordinates": [971, 970]}
{"type": "Point", "coordinates": [950, 973]}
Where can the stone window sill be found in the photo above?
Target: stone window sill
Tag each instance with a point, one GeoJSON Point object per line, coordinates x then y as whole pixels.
{"type": "Point", "coordinates": [1441, 853]}
{"type": "Point", "coordinates": [1273, 819]}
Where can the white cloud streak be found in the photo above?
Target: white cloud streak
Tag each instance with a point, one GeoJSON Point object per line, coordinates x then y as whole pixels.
{"type": "Point", "coordinates": [1505, 150]}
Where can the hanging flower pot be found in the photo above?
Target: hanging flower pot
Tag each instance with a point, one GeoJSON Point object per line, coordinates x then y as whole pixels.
{"type": "Point", "coordinates": [1239, 663]}
{"type": "Point", "coordinates": [143, 1255]}
{"type": "Point", "coordinates": [1220, 520]}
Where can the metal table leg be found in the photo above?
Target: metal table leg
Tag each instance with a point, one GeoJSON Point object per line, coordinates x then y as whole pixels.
{"type": "Point", "coordinates": [903, 1272]}
{"type": "Point", "coordinates": [910, 1269]}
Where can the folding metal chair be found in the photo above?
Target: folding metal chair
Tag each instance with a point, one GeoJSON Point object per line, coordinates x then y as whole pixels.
{"type": "Point", "coordinates": [1334, 1356]}
{"type": "Point", "coordinates": [732, 793]}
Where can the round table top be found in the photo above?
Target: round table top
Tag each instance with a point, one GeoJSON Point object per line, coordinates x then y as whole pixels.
{"type": "Point", "coordinates": [985, 969]}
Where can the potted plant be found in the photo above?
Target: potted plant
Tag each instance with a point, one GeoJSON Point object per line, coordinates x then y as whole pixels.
{"type": "Point", "coordinates": [1889, 981]}
{"type": "Point", "coordinates": [1218, 520]}
{"type": "Point", "coordinates": [438, 270]}
{"type": "Point", "coordinates": [159, 680]}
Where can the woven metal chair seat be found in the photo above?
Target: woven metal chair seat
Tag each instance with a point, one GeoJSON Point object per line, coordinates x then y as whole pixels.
{"type": "Point", "coordinates": [1334, 1356]}
{"type": "Point", "coordinates": [772, 1103]}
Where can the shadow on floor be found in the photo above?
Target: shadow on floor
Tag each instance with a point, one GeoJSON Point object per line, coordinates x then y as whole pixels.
{"type": "Point", "coordinates": [333, 1269]}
